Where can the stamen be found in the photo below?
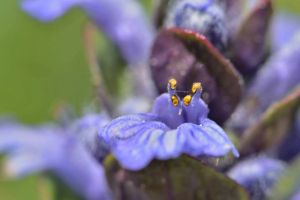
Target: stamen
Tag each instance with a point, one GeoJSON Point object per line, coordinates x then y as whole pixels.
{"type": "Point", "coordinates": [187, 100]}
{"type": "Point", "coordinates": [196, 86]}
{"type": "Point", "coordinates": [173, 83]}
{"type": "Point", "coordinates": [175, 100]}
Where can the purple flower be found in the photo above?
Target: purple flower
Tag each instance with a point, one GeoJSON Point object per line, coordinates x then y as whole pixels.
{"type": "Point", "coordinates": [203, 16]}
{"type": "Point", "coordinates": [51, 148]}
{"type": "Point", "coordinates": [86, 130]}
{"type": "Point", "coordinates": [257, 175]}
{"type": "Point", "coordinates": [275, 79]}
{"type": "Point", "coordinates": [236, 30]}
{"type": "Point", "coordinates": [123, 21]}
{"type": "Point", "coordinates": [173, 127]}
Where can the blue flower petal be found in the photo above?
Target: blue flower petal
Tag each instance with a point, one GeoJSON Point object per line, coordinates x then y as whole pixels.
{"type": "Point", "coordinates": [34, 149]}
{"type": "Point", "coordinates": [150, 140]}
{"type": "Point", "coordinates": [124, 127]}
{"type": "Point", "coordinates": [48, 10]}
{"type": "Point", "coordinates": [19, 164]}
{"type": "Point", "coordinates": [197, 110]}
{"type": "Point", "coordinates": [207, 139]}
{"type": "Point", "coordinates": [166, 112]}
{"type": "Point", "coordinates": [136, 152]}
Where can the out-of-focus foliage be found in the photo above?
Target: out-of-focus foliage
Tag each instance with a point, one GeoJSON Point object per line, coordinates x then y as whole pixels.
{"type": "Point", "coordinates": [288, 4]}
{"type": "Point", "coordinates": [42, 64]}
{"type": "Point", "coordinates": [289, 182]}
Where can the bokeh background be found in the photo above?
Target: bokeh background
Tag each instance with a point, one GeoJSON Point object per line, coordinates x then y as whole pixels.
{"type": "Point", "coordinates": [44, 64]}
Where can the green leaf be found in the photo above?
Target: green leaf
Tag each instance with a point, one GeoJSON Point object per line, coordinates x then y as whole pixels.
{"type": "Point", "coordinates": [60, 190]}
{"type": "Point", "coordinates": [272, 126]}
{"type": "Point", "coordinates": [104, 60]}
{"type": "Point", "coordinates": [50, 187]}
{"type": "Point", "coordinates": [177, 179]}
{"type": "Point", "coordinates": [45, 188]}
{"type": "Point", "coordinates": [228, 80]}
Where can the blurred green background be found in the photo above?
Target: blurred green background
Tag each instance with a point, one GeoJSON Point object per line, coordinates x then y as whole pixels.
{"type": "Point", "coordinates": [43, 64]}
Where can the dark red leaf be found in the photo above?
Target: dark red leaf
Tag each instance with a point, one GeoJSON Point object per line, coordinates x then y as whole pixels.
{"type": "Point", "coordinates": [189, 57]}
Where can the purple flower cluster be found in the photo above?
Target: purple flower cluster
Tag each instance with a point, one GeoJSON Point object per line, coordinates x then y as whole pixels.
{"type": "Point", "coordinates": [52, 148]}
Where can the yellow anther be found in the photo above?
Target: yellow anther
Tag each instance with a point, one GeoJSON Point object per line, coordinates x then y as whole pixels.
{"type": "Point", "coordinates": [187, 100]}
{"type": "Point", "coordinates": [175, 100]}
{"type": "Point", "coordinates": [196, 86]}
{"type": "Point", "coordinates": [173, 83]}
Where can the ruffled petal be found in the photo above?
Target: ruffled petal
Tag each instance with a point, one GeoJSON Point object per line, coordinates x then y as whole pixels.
{"type": "Point", "coordinates": [124, 127]}
{"type": "Point", "coordinates": [34, 149]}
{"type": "Point", "coordinates": [197, 110]}
{"type": "Point", "coordinates": [154, 140]}
{"type": "Point", "coordinates": [207, 139]}
{"type": "Point", "coordinates": [48, 10]}
{"type": "Point", "coordinates": [136, 152]}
